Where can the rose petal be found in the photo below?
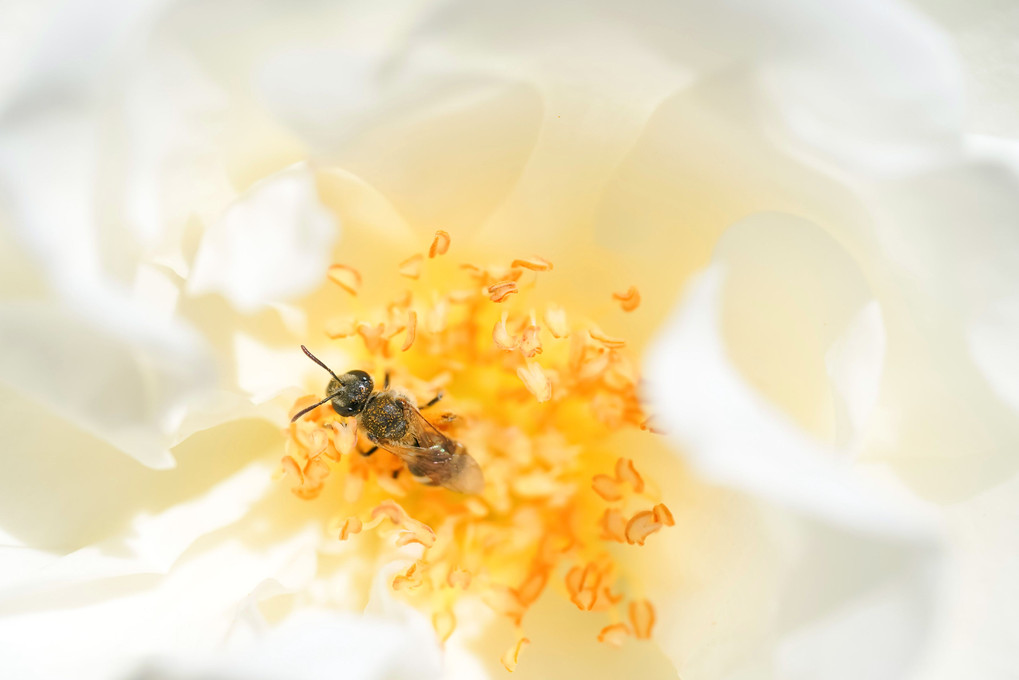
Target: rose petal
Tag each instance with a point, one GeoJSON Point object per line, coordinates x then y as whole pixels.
{"type": "Point", "coordinates": [272, 245]}
{"type": "Point", "coordinates": [846, 528]}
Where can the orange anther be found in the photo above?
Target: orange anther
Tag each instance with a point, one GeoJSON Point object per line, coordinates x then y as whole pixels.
{"type": "Point", "coordinates": [555, 319]}
{"type": "Point", "coordinates": [663, 515]}
{"type": "Point", "coordinates": [640, 526]}
{"type": "Point", "coordinates": [532, 587]}
{"type": "Point", "coordinates": [614, 525]}
{"type": "Point", "coordinates": [501, 290]}
{"type": "Point", "coordinates": [440, 244]}
{"type": "Point", "coordinates": [347, 278]}
{"type": "Point", "coordinates": [607, 340]}
{"type": "Point", "coordinates": [501, 335]}
{"type": "Point", "coordinates": [535, 380]}
{"type": "Point", "coordinates": [642, 617]}
{"type": "Point", "coordinates": [351, 526]}
{"type": "Point", "coordinates": [627, 473]}
{"type": "Point", "coordinates": [340, 328]}
{"type": "Point", "coordinates": [512, 655]}
{"type": "Point", "coordinates": [411, 267]}
{"type": "Point", "coordinates": [614, 635]}
{"type": "Point", "coordinates": [535, 264]}
{"type": "Point", "coordinates": [531, 343]}
{"type": "Point", "coordinates": [629, 300]}
{"type": "Point", "coordinates": [606, 487]}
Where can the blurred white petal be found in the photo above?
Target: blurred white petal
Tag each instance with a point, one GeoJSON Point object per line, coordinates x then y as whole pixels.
{"type": "Point", "coordinates": [150, 546]}
{"type": "Point", "coordinates": [316, 645]}
{"type": "Point", "coordinates": [733, 436]}
{"type": "Point", "coordinates": [110, 621]}
{"type": "Point", "coordinates": [980, 632]}
{"type": "Point", "coordinates": [859, 574]}
{"type": "Point", "coordinates": [854, 365]}
{"type": "Point", "coordinates": [881, 90]}
{"type": "Point", "coordinates": [942, 422]}
{"type": "Point", "coordinates": [272, 245]}
{"type": "Point", "coordinates": [113, 372]}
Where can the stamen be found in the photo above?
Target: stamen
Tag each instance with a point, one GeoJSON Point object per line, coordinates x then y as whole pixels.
{"type": "Point", "coordinates": [340, 328]}
{"type": "Point", "coordinates": [412, 326]}
{"type": "Point", "coordinates": [642, 617]}
{"type": "Point", "coordinates": [347, 278]}
{"type": "Point", "coordinates": [411, 267]}
{"type": "Point", "coordinates": [501, 336]}
{"type": "Point", "coordinates": [535, 264]}
{"type": "Point", "coordinates": [555, 319]}
{"type": "Point", "coordinates": [511, 657]}
{"type": "Point", "coordinates": [439, 245]}
{"type": "Point", "coordinates": [536, 382]}
{"type": "Point", "coordinates": [546, 517]}
{"type": "Point", "coordinates": [640, 526]}
{"type": "Point", "coordinates": [629, 300]}
{"type": "Point", "coordinates": [498, 292]}
{"type": "Point", "coordinates": [614, 634]}
{"type": "Point", "coordinates": [351, 526]}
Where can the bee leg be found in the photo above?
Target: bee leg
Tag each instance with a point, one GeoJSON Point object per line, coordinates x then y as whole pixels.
{"type": "Point", "coordinates": [433, 402]}
{"type": "Point", "coordinates": [369, 451]}
{"type": "Point", "coordinates": [385, 385]}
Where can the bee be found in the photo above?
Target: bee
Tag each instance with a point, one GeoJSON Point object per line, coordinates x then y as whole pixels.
{"type": "Point", "coordinates": [393, 423]}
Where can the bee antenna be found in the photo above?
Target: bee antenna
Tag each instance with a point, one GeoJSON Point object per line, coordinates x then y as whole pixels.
{"type": "Point", "coordinates": [319, 362]}
{"type": "Point", "coordinates": [313, 406]}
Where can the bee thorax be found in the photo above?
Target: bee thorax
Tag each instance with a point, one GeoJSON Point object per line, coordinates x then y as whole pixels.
{"type": "Point", "coordinates": [384, 418]}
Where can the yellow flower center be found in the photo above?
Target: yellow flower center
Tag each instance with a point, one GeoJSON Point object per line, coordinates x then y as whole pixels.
{"type": "Point", "coordinates": [533, 395]}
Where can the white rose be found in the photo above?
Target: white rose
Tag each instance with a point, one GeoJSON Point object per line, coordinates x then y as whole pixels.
{"type": "Point", "coordinates": [825, 192]}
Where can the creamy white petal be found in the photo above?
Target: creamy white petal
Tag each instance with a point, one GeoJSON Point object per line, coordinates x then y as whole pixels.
{"type": "Point", "coordinates": [115, 373]}
{"type": "Point", "coordinates": [315, 645]}
{"type": "Point", "coordinates": [856, 585]}
{"type": "Point", "coordinates": [108, 625]}
{"type": "Point", "coordinates": [150, 545]}
{"type": "Point", "coordinates": [980, 633]}
{"type": "Point", "coordinates": [946, 277]}
{"type": "Point", "coordinates": [872, 85]}
{"type": "Point", "coordinates": [272, 245]}
{"type": "Point", "coordinates": [984, 33]}
{"type": "Point", "coordinates": [854, 365]}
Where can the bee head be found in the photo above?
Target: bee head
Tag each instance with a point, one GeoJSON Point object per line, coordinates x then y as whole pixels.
{"type": "Point", "coordinates": [350, 392]}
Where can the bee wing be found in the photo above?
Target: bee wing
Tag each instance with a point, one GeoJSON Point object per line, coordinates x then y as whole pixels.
{"type": "Point", "coordinates": [435, 458]}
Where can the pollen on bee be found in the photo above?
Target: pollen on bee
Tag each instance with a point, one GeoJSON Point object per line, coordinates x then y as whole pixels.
{"type": "Point", "coordinates": [548, 520]}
